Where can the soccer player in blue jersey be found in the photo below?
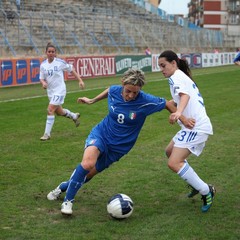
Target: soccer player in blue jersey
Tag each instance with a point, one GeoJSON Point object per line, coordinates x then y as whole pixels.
{"type": "Point", "coordinates": [116, 134]}
{"type": "Point", "coordinates": [236, 60]}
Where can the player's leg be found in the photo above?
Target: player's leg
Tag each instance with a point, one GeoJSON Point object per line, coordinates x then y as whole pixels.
{"type": "Point", "coordinates": [78, 177]}
{"type": "Point", "coordinates": [177, 163]}
{"type": "Point", "coordinates": [68, 114]}
{"type": "Point", "coordinates": [49, 122]}
{"type": "Point", "coordinates": [55, 193]}
{"type": "Point", "coordinates": [169, 148]}
{"type": "Point", "coordinates": [62, 187]}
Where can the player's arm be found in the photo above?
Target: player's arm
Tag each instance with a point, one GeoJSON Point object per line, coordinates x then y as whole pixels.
{"type": "Point", "coordinates": [172, 108]}
{"type": "Point", "coordinates": [77, 76]}
{"type": "Point", "coordinates": [184, 98]}
{"type": "Point", "coordinates": [99, 97]}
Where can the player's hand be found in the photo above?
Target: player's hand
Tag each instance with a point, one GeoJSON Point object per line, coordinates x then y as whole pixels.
{"type": "Point", "coordinates": [189, 123]}
{"type": "Point", "coordinates": [174, 117]}
{"type": "Point", "coordinates": [81, 84]}
{"type": "Point", "coordinates": [44, 85]}
{"type": "Point", "coordinates": [85, 100]}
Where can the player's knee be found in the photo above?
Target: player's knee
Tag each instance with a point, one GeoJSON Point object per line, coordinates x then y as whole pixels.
{"type": "Point", "coordinates": [88, 165]}
{"type": "Point", "coordinates": [168, 152]}
{"type": "Point", "coordinates": [50, 111]}
{"type": "Point", "coordinates": [172, 165]}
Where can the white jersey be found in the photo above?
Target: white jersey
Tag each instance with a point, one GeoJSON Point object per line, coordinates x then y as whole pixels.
{"type": "Point", "coordinates": [52, 73]}
{"type": "Point", "coordinates": [179, 82]}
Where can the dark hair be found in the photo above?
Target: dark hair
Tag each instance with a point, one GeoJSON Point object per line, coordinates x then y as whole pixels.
{"type": "Point", "coordinates": [181, 63]}
{"type": "Point", "coordinates": [50, 45]}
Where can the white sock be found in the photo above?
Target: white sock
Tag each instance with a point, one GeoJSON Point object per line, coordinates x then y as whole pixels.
{"type": "Point", "coordinates": [69, 114]}
{"type": "Point", "coordinates": [191, 177]}
{"type": "Point", "coordinates": [49, 124]}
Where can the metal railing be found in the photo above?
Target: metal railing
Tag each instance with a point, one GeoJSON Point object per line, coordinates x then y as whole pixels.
{"type": "Point", "coordinates": [93, 28]}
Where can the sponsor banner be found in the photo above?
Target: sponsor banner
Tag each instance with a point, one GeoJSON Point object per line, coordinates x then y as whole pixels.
{"type": "Point", "coordinates": [123, 63]}
{"type": "Point", "coordinates": [34, 70]}
{"type": "Point", "coordinates": [155, 67]}
{"type": "Point", "coordinates": [217, 59]}
{"type": "Point", "coordinates": [19, 72]}
{"type": "Point", "coordinates": [88, 67]}
{"type": "Point", "coordinates": [211, 59]}
{"type": "Point", "coordinates": [207, 59]}
{"type": "Point", "coordinates": [194, 59]}
{"type": "Point", "coordinates": [7, 73]}
{"type": "Point", "coordinates": [23, 71]}
{"type": "Point", "coordinates": [227, 58]}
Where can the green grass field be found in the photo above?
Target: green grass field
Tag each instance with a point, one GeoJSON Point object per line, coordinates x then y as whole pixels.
{"type": "Point", "coordinates": [31, 168]}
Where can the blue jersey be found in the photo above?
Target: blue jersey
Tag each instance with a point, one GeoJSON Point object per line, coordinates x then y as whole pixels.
{"type": "Point", "coordinates": [120, 128]}
{"type": "Point", "coordinates": [237, 58]}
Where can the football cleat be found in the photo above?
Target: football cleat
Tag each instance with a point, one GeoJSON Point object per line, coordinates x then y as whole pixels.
{"type": "Point", "coordinates": [193, 192]}
{"type": "Point", "coordinates": [208, 199]}
{"type": "Point", "coordinates": [66, 208]}
{"type": "Point", "coordinates": [45, 137]}
{"type": "Point", "coordinates": [54, 194]}
{"type": "Point", "coordinates": [76, 121]}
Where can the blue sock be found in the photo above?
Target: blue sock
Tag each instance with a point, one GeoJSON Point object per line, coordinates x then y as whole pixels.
{"type": "Point", "coordinates": [87, 180]}
{"type": "Point", "coordinates": [64, 185]}
{"type": "Point", "coordinates": [76, 181]}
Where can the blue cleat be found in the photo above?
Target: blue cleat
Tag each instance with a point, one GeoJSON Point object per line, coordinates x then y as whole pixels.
{"type": "Point", "coordinates": [193, 192]}
{"type": "Point", "coordinates": [208, 199]}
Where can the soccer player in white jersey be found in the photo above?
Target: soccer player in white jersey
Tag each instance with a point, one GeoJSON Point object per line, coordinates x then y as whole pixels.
{"type": "Point", "coordinates": [52, 78]}
{"type": "Point", "coordinates": [189, 102]}
{"type": "Point", "coordinates": [116, 134]}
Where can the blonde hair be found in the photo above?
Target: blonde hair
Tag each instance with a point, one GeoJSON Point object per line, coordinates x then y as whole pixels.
{"type": "Point", "coordinates": [134, 77]}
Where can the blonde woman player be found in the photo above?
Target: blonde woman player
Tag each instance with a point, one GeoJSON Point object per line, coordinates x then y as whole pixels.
{"type": "Point", "coordinates": [189, 102]}
{"type": "Point", "coordinates": [116, 134]}
{"type": "Point", "coordinates": [52, 78]}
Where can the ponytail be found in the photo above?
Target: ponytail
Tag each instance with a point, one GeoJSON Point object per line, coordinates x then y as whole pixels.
{"type": "Point", "coordinates": [183, 66]}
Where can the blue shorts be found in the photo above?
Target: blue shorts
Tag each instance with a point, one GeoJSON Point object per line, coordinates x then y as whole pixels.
{"type": "Point", "coordinates": [107, 156]}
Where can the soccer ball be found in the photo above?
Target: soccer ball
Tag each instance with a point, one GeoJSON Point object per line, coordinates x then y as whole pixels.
{"type": "Point", "coordinates": [120, 206]}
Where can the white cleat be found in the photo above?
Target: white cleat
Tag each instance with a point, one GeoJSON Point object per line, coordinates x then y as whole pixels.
{"type": "Point", "coordinates": [45, 137]}
{"type": "Point", "coordinates": [66, 208]}
{"type": "Point", "coordinates": [76, 121]}
{"type": "Point", "coordinates": [54, 194]}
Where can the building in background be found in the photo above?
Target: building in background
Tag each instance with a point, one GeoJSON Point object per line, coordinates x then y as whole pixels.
{"type": "Point", "coordinates": [155, 3]}
{"type": "Point", "coordinates": [215, 14]}
{"type": "Point", "coordinates": [223, 15]}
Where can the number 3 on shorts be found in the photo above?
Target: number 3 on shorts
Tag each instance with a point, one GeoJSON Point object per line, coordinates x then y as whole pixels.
{"type": "Point", "coordinates": [187, 136]}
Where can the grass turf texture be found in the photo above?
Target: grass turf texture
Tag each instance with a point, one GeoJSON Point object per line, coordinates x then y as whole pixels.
{"type": "Point", "coordinates": [31, 168]}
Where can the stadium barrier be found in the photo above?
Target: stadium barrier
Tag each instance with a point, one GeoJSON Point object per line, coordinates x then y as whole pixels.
{"type": "Point", "coordinates": [17, 72]}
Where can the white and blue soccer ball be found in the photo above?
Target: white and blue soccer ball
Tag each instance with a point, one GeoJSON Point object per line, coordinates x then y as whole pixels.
{"type": "Point", "coordinates": [120, 206]}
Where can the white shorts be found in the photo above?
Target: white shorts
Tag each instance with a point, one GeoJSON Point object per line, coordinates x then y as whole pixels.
{"type": "Point", "coordinates": [192, 140]}
{"type": "Point", "coordinates": [57, 100]}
